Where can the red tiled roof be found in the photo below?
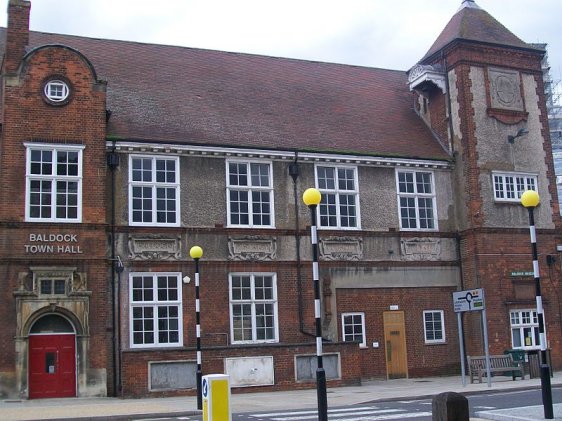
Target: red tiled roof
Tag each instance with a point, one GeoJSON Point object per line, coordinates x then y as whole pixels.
{"type": "Point", "coordinates": [176, 94]}
{"type": "Point", "coordinates": [475, 24]}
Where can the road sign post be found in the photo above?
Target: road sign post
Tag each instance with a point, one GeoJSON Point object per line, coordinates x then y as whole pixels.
{"type": "Point", "coordinates": [472, 300]}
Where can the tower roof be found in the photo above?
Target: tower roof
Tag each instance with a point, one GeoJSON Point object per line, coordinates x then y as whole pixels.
{"type": "Point", "coordinates": [474, 24]}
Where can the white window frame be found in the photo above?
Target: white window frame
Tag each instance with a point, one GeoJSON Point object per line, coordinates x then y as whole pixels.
{"type": "Point", "coordinates": [252, 301]}
{"type": "Point", "coordinates": [154, 304]}
{"type": "Point", "coordinates": [512, 185]}
{"type": "Point", "coordinates": [338, 193]}
{"type": "Point", "coordinates": [53, 178]}
{"type": "Point", "coordinates": [521, 326]}
{"type": "Point", "coordinates": [250, 188]}
{"type": "Point", "coordinates": [416, 196]}
{"type": "Point", "coordinates": [425, 330]}
{"type": "Point", "coordinates": [154, 186]}
{"type": "Point", "coordinates": [53, 94]}
{"type": "Point", "coordinates": [363, 343]}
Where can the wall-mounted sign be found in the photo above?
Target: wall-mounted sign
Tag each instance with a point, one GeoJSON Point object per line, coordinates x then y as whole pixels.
{"type": "Point", "coordinates": [52, 244]}
{"type": "Point", "coordinates": [394, 307]}
{"type": "Point", "coordinates": [521, 273]}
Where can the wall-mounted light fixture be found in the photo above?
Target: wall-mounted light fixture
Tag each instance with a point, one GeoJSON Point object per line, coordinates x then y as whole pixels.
{"type": "Point", "coordinates": [521, 132]}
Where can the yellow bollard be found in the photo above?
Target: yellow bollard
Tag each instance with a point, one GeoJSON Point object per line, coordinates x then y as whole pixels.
{"type": "Point", "coordinates": [216, 397]}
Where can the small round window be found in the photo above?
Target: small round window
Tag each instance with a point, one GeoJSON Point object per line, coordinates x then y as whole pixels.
{"type": "Point", "coordinates": [56, 91]}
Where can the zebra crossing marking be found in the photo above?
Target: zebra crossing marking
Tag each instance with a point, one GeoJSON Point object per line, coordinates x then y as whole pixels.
{"type": "Point", "coordinates": [345, 414]}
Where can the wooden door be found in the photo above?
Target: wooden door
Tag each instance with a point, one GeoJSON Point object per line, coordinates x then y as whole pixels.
{"type": "Point", "coordinates": [395, 345]}
{"type": "Point", "coordinates": [52, 366]}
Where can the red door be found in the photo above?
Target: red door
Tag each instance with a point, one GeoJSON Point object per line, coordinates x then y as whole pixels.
{"type": "Point", "coordinates": [52, 366]}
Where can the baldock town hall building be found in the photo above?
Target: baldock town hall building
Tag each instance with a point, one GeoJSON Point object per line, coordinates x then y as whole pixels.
{"type": "Point", "coordinates": [117, 157]}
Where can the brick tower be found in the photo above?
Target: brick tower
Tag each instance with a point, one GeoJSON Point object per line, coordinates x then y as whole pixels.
{"type": "Point", "coordinates": [480, 89]}
{"type": "Point", "coordinates": [52, 220]}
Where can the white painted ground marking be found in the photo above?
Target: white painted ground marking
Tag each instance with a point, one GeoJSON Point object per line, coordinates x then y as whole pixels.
{"type": "Point", "coordinates": [392, 417]}
{"type": "Point", "coordinates": [342, 416]}
{"type": "Point", "coordinates": [331, 411]}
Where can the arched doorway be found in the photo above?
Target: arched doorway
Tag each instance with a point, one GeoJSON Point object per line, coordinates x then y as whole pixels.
{"type": "Point", "coordinates": [52, 358]}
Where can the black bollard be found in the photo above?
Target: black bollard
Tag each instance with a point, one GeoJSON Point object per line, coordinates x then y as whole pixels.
{"type": "Point", "coordinates": [450, 406]}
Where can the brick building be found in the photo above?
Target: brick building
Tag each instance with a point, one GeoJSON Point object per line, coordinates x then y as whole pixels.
{"type": "Point", "coordinates": [118, 157]}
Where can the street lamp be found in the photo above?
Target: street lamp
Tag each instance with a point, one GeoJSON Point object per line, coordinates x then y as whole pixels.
{"type": "Point", "coordinates": [530, 199]}
{"type": "Point", "coordinates": [196, 252]}
{"type": "Point", "coordinates": [312, 198]}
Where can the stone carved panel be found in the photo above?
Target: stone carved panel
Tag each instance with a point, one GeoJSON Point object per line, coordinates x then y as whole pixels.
{"type": "Point", "coordinates": [252, 248]}
{"type": "Point", "coordinates": [76, 283]}
{"type": "Point", "coordinates": [33, 302]}
{"type": "Point", "coordinates": [420, 249]}
{"type": "Point", "coordinates": [154, 247]}
{"type": "Point", "coordinates": [505, 91]}
{"type": "Point", "coordinates": [341, 248]}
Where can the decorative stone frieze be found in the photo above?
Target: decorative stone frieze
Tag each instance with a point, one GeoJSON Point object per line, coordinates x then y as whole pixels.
{"type": "Point", "coordinates": [252, 247]}
{"type": "Point", "coordinates": [341, 248]}
{"type": "Point", "coordinates": [420, 249]}
{"type": "Point", "coordinates": [154, 247]}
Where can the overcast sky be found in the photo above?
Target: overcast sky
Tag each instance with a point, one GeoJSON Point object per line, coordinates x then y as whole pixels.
{"type": "Point", "coordinates": [391, 34]}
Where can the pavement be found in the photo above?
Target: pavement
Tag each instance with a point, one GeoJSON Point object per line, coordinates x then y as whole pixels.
{"type": "Point", "coordinates": [378, 390]}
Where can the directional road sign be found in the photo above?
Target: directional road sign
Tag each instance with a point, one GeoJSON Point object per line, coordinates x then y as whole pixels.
{"type": "Point", "coordinates": [471, 300]}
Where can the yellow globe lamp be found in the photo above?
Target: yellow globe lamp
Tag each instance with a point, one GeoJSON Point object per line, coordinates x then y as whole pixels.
{"type": "Point", "coordinates": [530, 199]}
{"type": "Point", "coordinates": [311, 197]}
{"type": "Point", "coordinates": [196, 252]}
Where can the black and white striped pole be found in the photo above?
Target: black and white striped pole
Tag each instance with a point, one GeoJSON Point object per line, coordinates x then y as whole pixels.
{"type": "Point", "coordinates": [530, 199]}
{"type": "Point", "coordinates": [312, 198]}
{"type": "Point", "coordinates": [196, 252]}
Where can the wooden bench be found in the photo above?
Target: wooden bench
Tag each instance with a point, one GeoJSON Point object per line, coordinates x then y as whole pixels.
{"type": "Point", "coordinates": [498, 364]}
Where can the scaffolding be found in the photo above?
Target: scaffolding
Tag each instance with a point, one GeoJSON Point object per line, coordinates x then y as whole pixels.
{"type": "Point", "coordinates": [552, 88]}
{"type": "Point", "coordinates": [553, 96]}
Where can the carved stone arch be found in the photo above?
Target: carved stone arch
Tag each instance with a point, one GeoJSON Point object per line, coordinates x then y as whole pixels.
{"type": "Point", "coordinates": [53, 310]}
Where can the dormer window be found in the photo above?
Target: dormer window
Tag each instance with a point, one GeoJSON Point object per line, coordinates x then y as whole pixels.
{"type": "Point", "coordinates": [56, 92]}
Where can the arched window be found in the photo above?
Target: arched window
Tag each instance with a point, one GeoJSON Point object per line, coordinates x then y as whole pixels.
{"type": "Point", "coordinates": [51, 323]}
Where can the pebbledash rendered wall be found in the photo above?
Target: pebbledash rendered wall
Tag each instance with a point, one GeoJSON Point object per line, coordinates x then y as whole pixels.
{"type": "Point", "coordinates": [409, 272]}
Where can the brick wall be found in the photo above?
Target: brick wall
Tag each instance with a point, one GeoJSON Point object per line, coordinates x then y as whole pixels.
{"type": "Point", "coordinates": [28, 117]}
{"type": "Point", "coordinates": [135, 366]}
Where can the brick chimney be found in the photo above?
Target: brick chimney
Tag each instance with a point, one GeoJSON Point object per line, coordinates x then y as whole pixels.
{"type": "Point", "coordinates": [17, 34]}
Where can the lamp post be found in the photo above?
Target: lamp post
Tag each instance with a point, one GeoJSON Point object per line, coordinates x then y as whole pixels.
{"type": "Point", "coordinates": [196, 252]}
{"type": "Point", "coordinates": [530, 199]}
{"type": "Point", "coordinates": [312, 198]}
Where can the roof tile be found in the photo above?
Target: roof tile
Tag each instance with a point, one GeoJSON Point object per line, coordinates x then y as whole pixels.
{"type": "Point", "coordinates": [176, 94]}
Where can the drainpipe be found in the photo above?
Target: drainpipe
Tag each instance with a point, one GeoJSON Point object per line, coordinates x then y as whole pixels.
{"type": "Point", "coordinates": [447, 86]}
{"type": "Point", "coordinates": [116, 269]}
{"type": "Point", "coordinates": [294, 173]}
{"type": "Point", "coordinates": [452, 146]}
